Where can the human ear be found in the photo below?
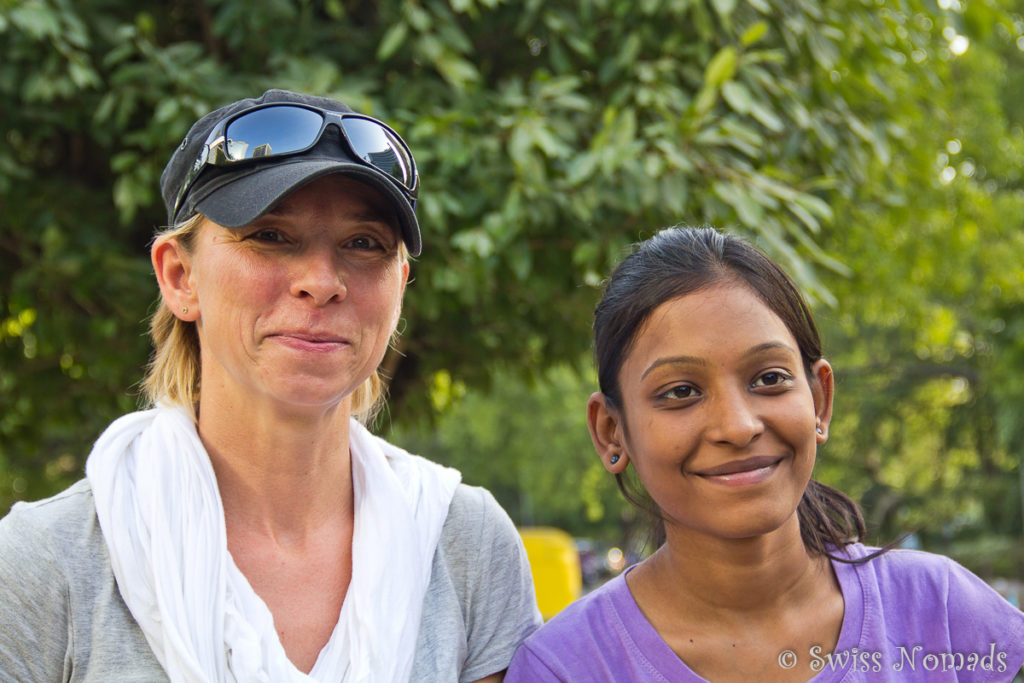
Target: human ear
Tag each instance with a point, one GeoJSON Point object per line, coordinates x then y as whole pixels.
{"type": "Point", "coordinates": [606, 431]}
{"type": "Point", "coordinates": [822, 390]}
{"type": "Point", "coordinates": [173, 267]}
{"type": "Point", "coordinates": [405, 278]}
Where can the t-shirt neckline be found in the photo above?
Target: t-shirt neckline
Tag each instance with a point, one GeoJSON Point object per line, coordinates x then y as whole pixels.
{"type": "Point", "coordinates": [647, 643]}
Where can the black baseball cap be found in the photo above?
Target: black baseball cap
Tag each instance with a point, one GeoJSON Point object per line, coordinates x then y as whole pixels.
{"type": "Point", "coordinates": [236, 195]}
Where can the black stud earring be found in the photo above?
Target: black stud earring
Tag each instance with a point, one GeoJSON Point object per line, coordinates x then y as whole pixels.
{"type": "Point", "coordinates": [614, 459]}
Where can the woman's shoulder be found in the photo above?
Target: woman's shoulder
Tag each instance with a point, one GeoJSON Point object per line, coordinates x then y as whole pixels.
{"type": "Point", "coordinates": [480, 604]}
{"type": "Point", "coordinates": [591, 624]}
{"type": "Point", "coordinates": [474, 511]}
{"type": "Point", "coordinates": [601, 632]}
{"type": "Point", "coordinates": [472, 500]}
{"type": "Point", "coordinates": [903, 568]}
{"type": "Point", "coordinates": [478, 536]}
{"type": "Point", "coordinates": [608, 609]}
{"type": "Point", "coordinates": [46, 543]}
{"type": "Point", "coordinates": [59, 602]}
{"type": "Point", "coordinates": [56, 535]}
{"type": "Point", "coordinates": [67, 518]}
{"type": "Point", "coordinates": [926, 599]}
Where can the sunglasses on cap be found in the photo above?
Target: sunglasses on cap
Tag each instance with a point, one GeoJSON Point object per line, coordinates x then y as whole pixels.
{"type": "Point", "coordinates": [275, 130]}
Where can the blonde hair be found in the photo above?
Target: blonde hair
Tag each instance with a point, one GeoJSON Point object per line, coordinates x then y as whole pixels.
{"type": "Point", "coordinates": [174, 370]}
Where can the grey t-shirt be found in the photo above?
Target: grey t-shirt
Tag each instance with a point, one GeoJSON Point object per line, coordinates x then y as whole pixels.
{"type": "Point", "coordinates": [62, 617]}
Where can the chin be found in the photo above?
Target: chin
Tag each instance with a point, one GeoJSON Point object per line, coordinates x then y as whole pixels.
{"type": "Point", "coordinates": [752, 524]}
{"type": "Point", "coordinates": [308, 393]}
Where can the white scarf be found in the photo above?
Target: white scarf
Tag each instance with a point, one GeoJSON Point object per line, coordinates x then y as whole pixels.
{"type": "Point", "coordinates": [161, 515]}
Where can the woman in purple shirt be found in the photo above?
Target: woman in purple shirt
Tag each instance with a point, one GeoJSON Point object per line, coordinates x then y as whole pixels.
{"type": "Point", "coordinates": [715, 392]}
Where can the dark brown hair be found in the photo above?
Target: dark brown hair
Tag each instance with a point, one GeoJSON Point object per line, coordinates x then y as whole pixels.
{"type": "Point", "coordinates": [679, 261]}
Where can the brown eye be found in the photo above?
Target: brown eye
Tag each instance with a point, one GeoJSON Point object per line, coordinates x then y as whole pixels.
{"type": "Point", "coordinates": [364, 242]}
{"type": "Point", "coordinates": [773, 378]}
{"type": "Point", "coordinates": [681, 392]}
{"type": "Point", "coordinates": [266, 235]}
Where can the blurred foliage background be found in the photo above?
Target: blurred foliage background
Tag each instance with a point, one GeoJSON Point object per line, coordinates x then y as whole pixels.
{"type": "Point", "coordinates": [873, 147]}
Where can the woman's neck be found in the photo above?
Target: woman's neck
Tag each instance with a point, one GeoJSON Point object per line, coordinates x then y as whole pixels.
{"type": "Point", "coordinates": [728, 607]}
{"type": "Point", "coordinates": [727, 579]}
{"type": "Point", "coordinates": [279, 475]}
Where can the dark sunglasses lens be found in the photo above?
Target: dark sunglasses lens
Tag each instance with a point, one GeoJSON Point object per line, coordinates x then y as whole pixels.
{"type": "Point", "coordinates": [379, 148]}
{"type": "Point", "coordinates": [271, 130]}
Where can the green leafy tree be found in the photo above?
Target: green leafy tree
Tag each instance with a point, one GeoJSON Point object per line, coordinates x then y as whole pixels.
{"type": "Point", "coordinates": [550, 134]}
{"type": "Point", "coordinates": [925, 323]}
{"type": "Point", "coordinates": [929, 334]}
{"type": "Point", "coordinates": [527, 442]}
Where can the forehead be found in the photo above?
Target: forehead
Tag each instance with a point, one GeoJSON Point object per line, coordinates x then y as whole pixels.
{"type": "Point", "coordinates": [717, 324]}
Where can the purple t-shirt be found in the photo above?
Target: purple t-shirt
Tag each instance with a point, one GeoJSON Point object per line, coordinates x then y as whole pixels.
{"type": "Point", "coordinates": [909, 616]}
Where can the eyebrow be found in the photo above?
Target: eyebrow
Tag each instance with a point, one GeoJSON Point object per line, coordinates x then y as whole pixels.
{"type": "Point", "coordinates": [673, 360]}
{"type": "Point", "coordinates": [693, 360]}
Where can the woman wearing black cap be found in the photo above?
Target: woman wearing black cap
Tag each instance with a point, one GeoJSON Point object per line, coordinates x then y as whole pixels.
{"type": "Point", "coordinates": [248, 527]}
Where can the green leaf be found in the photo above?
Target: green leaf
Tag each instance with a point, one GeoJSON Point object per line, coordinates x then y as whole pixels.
{"type": "Point", "coordinates": [766, 117]}
{"type": "Point", "coordinates": [805, 217]}
{"type": "Point", "coordinates": [754, 33]}
{"type": "Point", "coordinates": [416, 16]}
{"type": "Point", "coordinates": [825, 51]}
{"type": "Point", "coordinates": [393, 39]}
{"type": "Point", "coordinates": [521, 260]}
{"type": "Point", "coordinates": [676, 156]}
{"type": "Point", "coordinates": [738, 97]}
{"type": "Point", "coordinates": [581, 167]}
{"type": "Point", "coordinates": [722, 67]}
{"type": "Point", "coordinates": [167, 111]}
{"type": "Point", "coordinates": [457, 71]}
{"type": "Point", "coordinates": [475, 241]}
{"type": "Point", "coordinates": [706, 99]}
{"type": "Point", "coordinates": [724, 8]}
{"type": "Point", "coordinates": [749, 211]}
{"type": "Point", "coordinates": [815, 205]}
{"type": "Point", "coordinates": [83, 75]}
{"type": "Point", "coordinates": [36, 19]}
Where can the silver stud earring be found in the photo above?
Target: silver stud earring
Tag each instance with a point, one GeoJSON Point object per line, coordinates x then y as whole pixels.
{"type": "Point", "coordinates": [819, 430]}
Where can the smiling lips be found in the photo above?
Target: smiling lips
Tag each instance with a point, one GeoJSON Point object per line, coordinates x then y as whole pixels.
{"type": "Point", "coordinates": [741, 472]}
{"type": "Point", "coordinates": [306, 341]}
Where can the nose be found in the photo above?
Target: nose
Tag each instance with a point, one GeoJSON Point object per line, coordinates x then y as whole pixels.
{"type": "Point", "coordinates": [318, 277]}
{"type": "Point", "coordinates": [733, 418]}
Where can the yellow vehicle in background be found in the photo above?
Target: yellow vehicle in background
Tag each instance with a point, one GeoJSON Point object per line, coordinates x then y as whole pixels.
{"type": "Point", "coordinates": [555, 564]}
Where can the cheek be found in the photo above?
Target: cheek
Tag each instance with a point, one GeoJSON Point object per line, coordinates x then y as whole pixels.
{"type": "Point", "coordinates": [804, 439]}
{"type": "Point", "coordinates": [656, 445]}
{"type": "Point", "coordinates": [804, 426]}
{"type": "Point", "coordinates": [382, 299]}
{"type": "Point", "coordinates": [238, 286]}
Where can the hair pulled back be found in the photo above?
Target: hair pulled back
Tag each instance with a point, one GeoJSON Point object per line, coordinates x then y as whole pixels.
{"type": "Point", "coordinates": [679, 261]}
